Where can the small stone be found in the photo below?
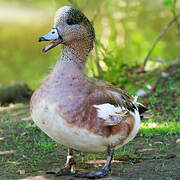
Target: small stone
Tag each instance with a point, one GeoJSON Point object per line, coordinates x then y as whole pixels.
{"type": "Point", "coordinates": [164, 74]}
{"type": "Point", "coordinates": [178, 141]}
{"type": "Point", "coordinates": [149, 86]}
{"type": "Point", "coordinates": [22, 172]}
{"type": "Point", "coordinates": [11, 105]}
{"type": "Point", "coordinates": [23, 134]}
{"type": "Point", "coordinates": [141, 93]}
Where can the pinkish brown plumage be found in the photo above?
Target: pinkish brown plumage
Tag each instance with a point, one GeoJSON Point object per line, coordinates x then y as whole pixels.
{"type": "Point", "coordinates": [82, 113]}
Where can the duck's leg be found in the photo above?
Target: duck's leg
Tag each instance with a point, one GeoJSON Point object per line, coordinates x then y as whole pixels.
{"type": "Point", "coordinates": [104, 171]}
{"type": "Point", "coordinates": [68, 166]}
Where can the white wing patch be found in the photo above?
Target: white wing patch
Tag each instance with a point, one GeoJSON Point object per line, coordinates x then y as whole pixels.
{"type": "Point", "coordinates": [106, 110]}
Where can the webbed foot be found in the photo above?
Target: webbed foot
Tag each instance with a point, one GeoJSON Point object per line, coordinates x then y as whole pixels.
{"type": "Point", "coordinates": [94, 175]}
{"type": "Point", "coordinates": [99, 174]}
{"type": "Point", "coordinates": [67, 169]}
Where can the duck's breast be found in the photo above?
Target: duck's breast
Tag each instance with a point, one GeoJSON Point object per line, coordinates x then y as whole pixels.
{"type": "Point", "coordinates": [47, 118]}
{"type": "Point", "coordinates": [51, 121]}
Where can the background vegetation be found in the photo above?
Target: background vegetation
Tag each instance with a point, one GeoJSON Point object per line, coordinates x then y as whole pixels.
{"type": "Point", "coordinates": [125, 32]}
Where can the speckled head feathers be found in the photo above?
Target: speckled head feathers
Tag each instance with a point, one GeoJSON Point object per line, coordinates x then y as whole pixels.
{"type": "Point", "coordinates": [73, 25]}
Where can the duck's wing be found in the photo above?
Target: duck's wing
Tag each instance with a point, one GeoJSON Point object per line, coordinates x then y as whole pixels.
{"type": "Point", "coordinates": [113, 103]}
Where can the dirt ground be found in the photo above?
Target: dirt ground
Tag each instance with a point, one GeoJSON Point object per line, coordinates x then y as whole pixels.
{"type": "Point", "coordinates": [148, 162]}
{"type": "Point", "coordinates": [27, 153]}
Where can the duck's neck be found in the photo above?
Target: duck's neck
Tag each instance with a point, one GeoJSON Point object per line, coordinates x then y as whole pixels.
{"type": "Point", "coordinates": [73, 58]}
{"type": "Point", "coordinates": [76, 51]}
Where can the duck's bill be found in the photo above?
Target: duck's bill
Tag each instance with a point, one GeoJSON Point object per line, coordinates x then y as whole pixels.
{"type": "Point", "coordinates": [52, 35]}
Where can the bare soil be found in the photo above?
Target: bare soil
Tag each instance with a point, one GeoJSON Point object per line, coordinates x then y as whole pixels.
{"type": "Point", "coordinates": [27, 153]}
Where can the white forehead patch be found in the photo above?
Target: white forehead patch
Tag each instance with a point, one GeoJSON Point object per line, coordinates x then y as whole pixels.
{"type": "Point", "coordinates": [61, 13]}
{"type": "Point", "coordinates": [63, 10]}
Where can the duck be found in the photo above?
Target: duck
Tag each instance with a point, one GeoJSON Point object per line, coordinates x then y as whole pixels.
{"type": "Point", "coordinates": [81, 113]}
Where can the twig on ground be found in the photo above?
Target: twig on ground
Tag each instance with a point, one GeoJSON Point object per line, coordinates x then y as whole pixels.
{"type": "Point", "coordinates": [160, 36]}
{"type": "Point", "coordinates": [174, 14]}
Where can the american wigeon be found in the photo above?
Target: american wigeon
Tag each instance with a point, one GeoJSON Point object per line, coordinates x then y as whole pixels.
{"type": "Point", "coordinates": [82, 113]}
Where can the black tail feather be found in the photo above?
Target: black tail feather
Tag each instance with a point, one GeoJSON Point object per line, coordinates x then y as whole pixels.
{"type": "Point", "coordinates": [141, 108]}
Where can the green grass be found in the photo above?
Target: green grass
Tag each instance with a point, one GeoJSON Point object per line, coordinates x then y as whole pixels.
{"type": "Point", "coordinates": [165, 110]}
{"type": "Point", "coordinates": [162, 128]}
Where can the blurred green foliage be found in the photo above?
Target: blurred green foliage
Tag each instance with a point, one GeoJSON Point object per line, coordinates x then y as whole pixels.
{"type": "Point", "coordinates": [125, 31]}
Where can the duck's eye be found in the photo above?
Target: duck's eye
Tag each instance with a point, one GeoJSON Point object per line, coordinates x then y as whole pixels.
{"type": "Point", "coordinates": [71, 21]}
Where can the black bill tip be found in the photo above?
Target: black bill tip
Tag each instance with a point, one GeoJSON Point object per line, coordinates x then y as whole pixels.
{"type": "Point", "coordinates": [44, 50]}
{"type": "Point", "coordinates": [42, 39]}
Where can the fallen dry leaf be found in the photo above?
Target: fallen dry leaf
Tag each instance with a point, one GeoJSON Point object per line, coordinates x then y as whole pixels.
{"type": "Point", "coordinates": [147, 115]}
{"type": "Point", "coordinates": [2, 139]}
{"type": "Point", "coordinates": [26, 118]}
{"type": "Point", "coordinates": [28, 138]}
{"type": "Point", "coordinates": [142, 66]}
{"type": "Point", "coordinates": [158, 142]}
{"type": "Point", "coordinates": [153, 87]}
{"type": "Point", "coordinates": [159, 108]}
{"type": "Point", "coordinates": [141, 160]}
{"type": "Point", "coordinates": [146, 101]}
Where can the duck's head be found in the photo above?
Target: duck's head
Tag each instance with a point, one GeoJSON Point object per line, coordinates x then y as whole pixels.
{"type": "Point", "coordinates": [70, 26]}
